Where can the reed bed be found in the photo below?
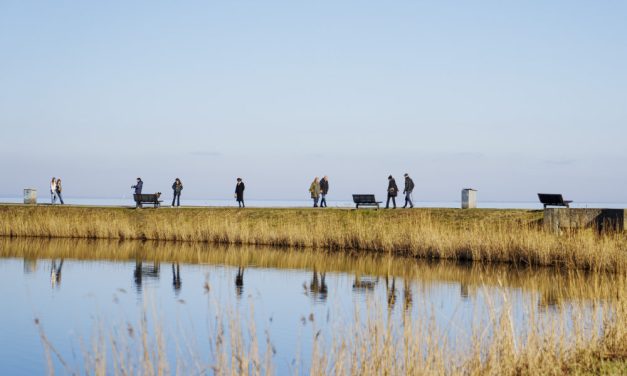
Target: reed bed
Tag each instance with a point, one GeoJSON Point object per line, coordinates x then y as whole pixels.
{"type": "Point", "coordinates": [509, 236]}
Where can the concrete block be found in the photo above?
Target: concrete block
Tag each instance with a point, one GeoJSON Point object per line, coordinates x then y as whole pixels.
{"type": "Point", "coordinates": [556, 219]}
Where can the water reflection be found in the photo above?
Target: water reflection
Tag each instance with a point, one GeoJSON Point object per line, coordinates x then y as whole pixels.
{"type": "Point", "coordinates": [55, 273]}
{"type": "Point", "coordinates": [30, 265]}
{"type": "Point", "coordinates": [553, 287]}
{"type": "Point", "coordinates": [318, 289]}
{"type": "Point", "coordinates": [176, 278]}
{"type": "Point", "coordinates": [145, 273]}
{"type": "Point", "coordinates": [400, 289]}
{"type": "Point", "coordinates": [239, 282]}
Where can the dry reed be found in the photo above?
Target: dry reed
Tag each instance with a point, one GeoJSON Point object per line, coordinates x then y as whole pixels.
{"type": "Point", "coordinates": [510, 236]}
{"type": "Point", "coordinates": [579, 341]}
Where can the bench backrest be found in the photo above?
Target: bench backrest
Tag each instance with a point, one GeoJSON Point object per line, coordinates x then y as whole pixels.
{"type": "Point", "coordinates": [150, 197]}
{"type": "Point", "coordinates": [551, 198]}
{"type": "Point", "coordinates": [362, 199]}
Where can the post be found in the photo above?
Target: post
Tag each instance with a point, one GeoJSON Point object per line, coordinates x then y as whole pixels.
{"type": "Point", "coordinates": [30, 196]}
{"type": "Point", "coordinates": [469, 198]}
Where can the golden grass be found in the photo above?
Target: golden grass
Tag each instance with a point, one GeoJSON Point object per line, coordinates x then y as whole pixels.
{"type": "Point", "coordinates": [511, 236]}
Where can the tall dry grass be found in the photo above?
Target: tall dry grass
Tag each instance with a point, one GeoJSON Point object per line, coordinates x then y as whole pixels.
{"type": "Point", "coordinates": [511, 236]}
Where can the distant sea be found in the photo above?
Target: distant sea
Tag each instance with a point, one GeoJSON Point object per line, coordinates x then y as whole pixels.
{"type": "Point", "coordinates": [128, 201]}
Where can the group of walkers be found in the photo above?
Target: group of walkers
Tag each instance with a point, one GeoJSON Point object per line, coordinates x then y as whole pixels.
{"type": "Point", "coordinates": [393, 192]}
{"type": "Point", "coordinates": [319, 188]}
{"type": "Point", "coordinates": [55, 190]}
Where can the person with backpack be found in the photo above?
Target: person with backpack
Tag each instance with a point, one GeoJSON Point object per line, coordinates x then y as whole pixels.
{"type": "Point", "coordinates": [239, 192]}
{"type": "Point", "coordinates": [314, 189]}
{"type": "Point", "coordinates": [409, 187]}
{"type": "Point", "coordinates": [392, 192]}
{"type": "Point", "coordinates": [177, 187]}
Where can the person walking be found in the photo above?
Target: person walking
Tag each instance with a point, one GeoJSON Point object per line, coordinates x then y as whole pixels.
{"type": "Point", "coordinates": [177, 187]}
{"type": "Point", "coordinates": [409, 187]}
{"type": "Point", "coordinates": [239, 192]}
{"type": "Point", "coordinates": [314, 189]}
{"type": "Point", "coordinates": [53, 191]}
{"type": "Point", "coordinates": [392, 192]}
{"type": "Point", "coordinates": [324, 189]}
{"type": "Point", "coordinates": [138, 187]}
{"type": "Point", "coordinates": [59, 188]}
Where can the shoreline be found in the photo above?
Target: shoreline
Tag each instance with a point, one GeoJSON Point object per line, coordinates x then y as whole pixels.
{"type": "Point", "coordinates": [514, 236]}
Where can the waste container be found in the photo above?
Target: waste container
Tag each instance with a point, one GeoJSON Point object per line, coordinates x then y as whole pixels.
{"type": "Point", "coordinates": [30, 196]}
{"type": "Point", "coordinates": [469, 198]}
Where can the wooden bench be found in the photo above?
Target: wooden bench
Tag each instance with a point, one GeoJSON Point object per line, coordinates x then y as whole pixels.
{"type": "Point", "coordinates": [365, 200]}
{"type": "Point", "coordinates": [553, 199]}
{"type": "Point", "coordinates": [151, 198]}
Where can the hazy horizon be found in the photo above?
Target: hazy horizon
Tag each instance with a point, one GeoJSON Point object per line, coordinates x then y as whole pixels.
{"type": "Point", "coordinates": [510, 99]}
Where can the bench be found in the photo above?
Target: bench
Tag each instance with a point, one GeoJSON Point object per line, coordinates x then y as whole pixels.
{"type": "Point", "coordinates": [151, 198]}
{"type": "Point", "coordinates": [553, 199]}
{"type": "Point", "coordinates": [365, 200]}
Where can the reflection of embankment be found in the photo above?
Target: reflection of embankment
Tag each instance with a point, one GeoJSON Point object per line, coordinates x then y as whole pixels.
{"type": "Point", "coordinates": [553, 285]}
{"type": "Point", "coordinates": [510, 236]}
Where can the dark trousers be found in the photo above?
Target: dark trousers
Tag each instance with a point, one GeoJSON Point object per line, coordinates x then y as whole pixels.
{"type": "Point", "coordinates": [241, 203]}
{"type": "Point", "coordinates": [387, 204]}
{"type": "Point", "coordinates": [315, 200]}
{"type": "Point", "coordinates": [60, 197]}
{"type": "Point", "coordinates": [323, 200]}
{"type": "Point", "coordinates": [177, 198]}
{"type": "Point", "coordinates": [408, 200]}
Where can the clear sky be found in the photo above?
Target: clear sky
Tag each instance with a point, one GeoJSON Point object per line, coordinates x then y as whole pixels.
{"type": "Point", "coordinates": [512, 98]}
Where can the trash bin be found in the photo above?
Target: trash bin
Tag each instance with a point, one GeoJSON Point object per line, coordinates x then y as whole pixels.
{"type": "Point", "coordinates": [30, 196]}
{"type": "Point", "coordinates": [469, 198]}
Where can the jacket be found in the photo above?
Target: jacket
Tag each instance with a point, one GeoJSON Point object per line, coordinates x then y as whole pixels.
{"type": "Point", "coordinates": [392, 188]}
{"type": "Point", "coordinates": [239, 191]}
{"type": "Point", "coordinates": [324, 186]}
{"type": "Point", "coordinates": [138, 187]}
{"type": "Point", "coordinates": [409, 185]}
{"type": "Point", "coordinates": [177, 187]}
{"type": "Point", "coordinates": [59, 187]}
{"type": "Point", "coordinates": [314, 189]}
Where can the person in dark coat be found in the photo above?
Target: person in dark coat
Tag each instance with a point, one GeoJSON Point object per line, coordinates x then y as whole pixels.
{"type": "Point", "coordinates": [409, 187]}
{"type": "Point", "coordinates": [177, 187]}
{"type": "Point", "coordinates": [138, 186]}
{"type": "Point", "coordinates": [324, 189]}
{"type": "Point", "coordinates": [392, 192]}
{"type": "Point", "coordinates": [239, 192]}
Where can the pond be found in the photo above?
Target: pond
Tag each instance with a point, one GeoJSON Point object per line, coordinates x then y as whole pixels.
{"type": "Point", "coordinates": [64, 296]}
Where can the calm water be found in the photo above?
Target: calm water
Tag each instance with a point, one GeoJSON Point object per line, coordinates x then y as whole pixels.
{"type": "Point", "coordinates": [75, 288]}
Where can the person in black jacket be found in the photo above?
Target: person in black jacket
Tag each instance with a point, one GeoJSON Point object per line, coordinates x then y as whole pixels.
{"type": "Point", "coordinates": [239, 192]}
{"type": "Point", "coordinates": [409, 187]}
{"type": "Point", "coordinates": [324, 189]}
{"type": "Point", "coordinates": [177, 187]}
{"type": "Point", "coordinates": [138, 186]}
{"type": "Point", "coordinates": [392, 192]}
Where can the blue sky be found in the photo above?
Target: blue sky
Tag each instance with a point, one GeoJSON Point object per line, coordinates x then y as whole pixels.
{"type": "Point", "coordinates": [509, 98]}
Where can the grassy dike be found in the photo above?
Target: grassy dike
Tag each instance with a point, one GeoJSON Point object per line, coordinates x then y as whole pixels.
{"type": "Point", "coordinates": [510, 236]}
